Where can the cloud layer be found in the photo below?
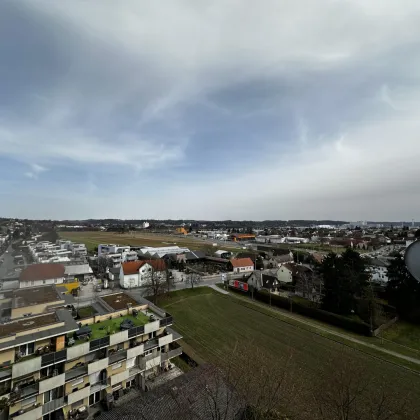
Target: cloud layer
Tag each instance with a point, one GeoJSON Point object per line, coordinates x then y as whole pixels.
{"type": "Point", "coordinates": [229, 109]}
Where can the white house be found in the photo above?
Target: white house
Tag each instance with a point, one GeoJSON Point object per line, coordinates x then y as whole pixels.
{"type": "Point", "coordinates": [137, 273]}
{"type": "Point", "coordinates": [242, 265]}
{"type": "Point", "coordinates": [378, 270]}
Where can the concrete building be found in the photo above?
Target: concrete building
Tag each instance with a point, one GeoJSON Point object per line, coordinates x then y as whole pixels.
{"type": "Point", "coordinates": [159, 252]}
{"type": "Point", "coordinates": [106, 249]}
{"type": "Point", "coordinates": [378, 269]}
{"type": "Point", "coordinates": [52, 367]}
{"type": "Point", "coordinates": [42, 274]}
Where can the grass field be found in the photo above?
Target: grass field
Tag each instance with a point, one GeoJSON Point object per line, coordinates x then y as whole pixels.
{"type": "Point", "coordinates": [404, 333]}
{"type": "Point", "coordinates": [213, 325]}
{"type": "Point", "coordinates": [92, 239]}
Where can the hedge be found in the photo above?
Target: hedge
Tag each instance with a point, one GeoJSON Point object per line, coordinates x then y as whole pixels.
{"type": "Point", "coordinates": [353, 325]}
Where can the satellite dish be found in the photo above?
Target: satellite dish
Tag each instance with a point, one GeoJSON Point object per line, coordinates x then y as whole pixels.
{"type": "Point", "coordinates": [412, 259]}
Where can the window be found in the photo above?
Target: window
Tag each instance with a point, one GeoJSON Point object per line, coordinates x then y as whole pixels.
{"type": "Point", "coordinates": [94, 398]}
{"type": "Point", "coordinates": [27, 349]}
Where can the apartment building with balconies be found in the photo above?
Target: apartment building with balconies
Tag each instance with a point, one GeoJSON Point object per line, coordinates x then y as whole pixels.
{"type": "Point", "coordinates": [52, 366]}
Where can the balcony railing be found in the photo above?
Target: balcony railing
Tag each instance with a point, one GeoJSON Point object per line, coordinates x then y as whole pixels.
{"type": "Point", "coordinates": [76, 373]}
{"type": "Point", "coordinates": [171, 353]}
{"type": "Point", "coordinates": [52, 358]}
{"type": "Point", "coordinates": [168, 320]}
{"type": "Point", "coordinates": [52, 405]}
{"type": "Point", "coordinates": [117, 357]}
{"type": "Point", "coordinates": [151, 344]}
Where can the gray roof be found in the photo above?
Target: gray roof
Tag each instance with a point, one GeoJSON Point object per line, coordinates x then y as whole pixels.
{"type": "Point", "coordinates": [189, 396]}
{"type": "Point", "coordinates": [74, 270]}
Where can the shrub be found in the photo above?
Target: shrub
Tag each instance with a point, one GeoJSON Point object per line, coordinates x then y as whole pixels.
{"type": "Point", "coordinates": [308, 310]}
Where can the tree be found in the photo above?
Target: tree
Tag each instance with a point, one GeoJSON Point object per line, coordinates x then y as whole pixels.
{"type": "Point", "coordinates": [403, 290]}
{"type": "Point", "coordinates": [155, 280]}
{"type": "Point", "coordinates": [349, 392]}
{"type": "Point", "coordinates": [103, 264]}
{"type": "Point", "coordinates": [345, 279]}
{"type": "Point", "coordinates": [193, 279]}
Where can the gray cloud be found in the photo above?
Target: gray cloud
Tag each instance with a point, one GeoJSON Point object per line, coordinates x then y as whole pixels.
{"type": "Point", "coordinates": [295, 109]}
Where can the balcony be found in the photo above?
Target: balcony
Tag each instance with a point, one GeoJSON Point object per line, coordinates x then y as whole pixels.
{"type": "Point", "coordinates": [177, 351]}
{"type": "Point", "coordinates": [98, 365]}
{"type": "Point", "coordinates": [151, 344]}
{"type": "Point", "coordinates": [26, 367]}
{"type": "Point", "coordinates": [119, 377]}
{"type": "Point", "coordinates": [51, 383]}
{"type": "Point", "coordinates": [76, 373]}
{"type": "Point", "coordinates": [52, 405]}
{"type": "Point", "coordinates": [164, 340]}
{"type": "Point", "coordinates": [78, 395]}
{"type": "Point", "coordinates": [150, 361]}
{"type": "Point", "coordinates": [31, 413]}
{"type": "Point", "coordinates": [118, 357]}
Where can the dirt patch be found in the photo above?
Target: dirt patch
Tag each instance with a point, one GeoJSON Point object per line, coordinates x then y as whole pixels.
{"type": "Point", "coordinates": [119, 301]}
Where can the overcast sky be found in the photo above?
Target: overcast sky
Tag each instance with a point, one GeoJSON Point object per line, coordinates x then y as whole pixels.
{"type": "Point", "coordinates": [222, 109]}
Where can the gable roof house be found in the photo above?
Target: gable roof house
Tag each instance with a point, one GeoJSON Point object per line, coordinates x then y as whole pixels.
{"type": "Point", "coordinates": [40, 274]}
{"type": "Point", "coordinates": [137, 273]}
{"type": "Point", "coordinates": [241, 265]}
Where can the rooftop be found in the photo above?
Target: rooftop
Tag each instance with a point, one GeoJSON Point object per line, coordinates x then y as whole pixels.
{"type": "Point", "coordinates": [119, 301]}
{"type": "Point", "coordinates": [35, 296]}
{"type": "Point", "coordinates": [42, 272]}
{"type": "Point", "coordinates": [27, 324]}
{"type": "Point", "coordinates": [241, 262]}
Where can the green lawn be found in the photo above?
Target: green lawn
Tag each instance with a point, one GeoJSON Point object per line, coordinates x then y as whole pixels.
{"type": "Point", "coordinates": [101, 329]}
{"type": "Point", "coordinates": [213, 325]}
{"type": "Point", "coordinates": [404, 333]}
{"type": "Point", "coordinates": [86, 312]}
{"type": "Point", "coordinates": [94, 238]}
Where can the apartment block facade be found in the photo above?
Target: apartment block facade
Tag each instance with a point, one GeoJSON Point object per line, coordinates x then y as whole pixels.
{"type": "Point", "coordinates": [53, 366]}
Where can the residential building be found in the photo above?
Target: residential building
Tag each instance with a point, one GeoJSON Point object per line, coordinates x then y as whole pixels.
{"type": "Point", "coordinates": [105, 249]}
{"type": "Point", "coordinates": [242, 265]}
{"type": "Point", "coordinates": [41, 274]}
{"type": "Point", "coordinates": [378, 269]}
{"type": "Point", "coordinates": [51, 365]}
{"type": "Point", "coordinates": [137, 273]}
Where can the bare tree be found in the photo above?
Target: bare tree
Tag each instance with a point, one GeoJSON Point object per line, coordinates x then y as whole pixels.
{"type": "Point", "coordinates": [193, 279]}
{"type": "Point", "coordinates": [349, 392]}
{"type": "Point", "coordinates": [155, 281]}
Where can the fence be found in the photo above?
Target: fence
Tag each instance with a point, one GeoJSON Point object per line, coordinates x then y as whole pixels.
{"type": "Point", "coordinates": [384, 326]}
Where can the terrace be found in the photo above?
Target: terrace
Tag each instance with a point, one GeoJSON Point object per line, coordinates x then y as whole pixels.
{"type": "Point", "coordinates": [102, 329]}
{"type": "Point", "coordinates": [112, 326]}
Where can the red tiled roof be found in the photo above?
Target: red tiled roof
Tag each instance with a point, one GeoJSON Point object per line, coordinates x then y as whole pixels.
{"type": "Point", "coordinates": [158, 265]}
{"type": "Point", "coordinates": [134, 266]}
{"type": "Point", "coordinates": [42, 272]}
{"type": "Point", "coordinates": [241, 262]}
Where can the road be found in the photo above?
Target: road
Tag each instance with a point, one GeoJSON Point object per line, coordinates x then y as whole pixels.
{"type": "Point", "coordinates": [8, 263]}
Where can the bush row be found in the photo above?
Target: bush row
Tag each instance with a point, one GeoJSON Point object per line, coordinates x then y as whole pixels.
{"type": "Point", "coordinates": [349, 324]}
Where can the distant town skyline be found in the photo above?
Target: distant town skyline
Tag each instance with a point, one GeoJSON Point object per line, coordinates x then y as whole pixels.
{"type": "Point", "coordinates": [228, 110]}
